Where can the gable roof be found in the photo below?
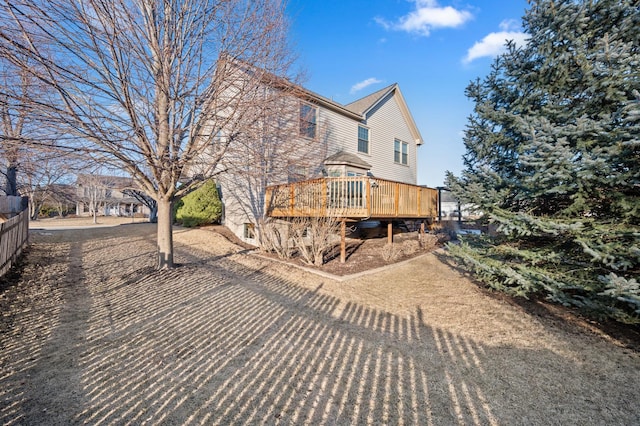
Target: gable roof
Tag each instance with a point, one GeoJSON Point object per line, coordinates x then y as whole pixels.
{"type": "Point", "coordinates": [110, 182]}
{"type": "Point", "coordinates": [308, 95]}
{"type": "Point", "coordinates": [365, 105]}
{"type": "Point", "coordinates": [356, 110]}
{"type": "Point", "coordinates": [362, 105]}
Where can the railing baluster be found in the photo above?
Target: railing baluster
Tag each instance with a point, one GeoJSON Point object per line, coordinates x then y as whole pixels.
{"type": "Point", "coordinates": [350, 197]}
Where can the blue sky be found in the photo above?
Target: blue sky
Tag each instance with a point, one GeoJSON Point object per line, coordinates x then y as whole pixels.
{"type": "Point", "coordinates": [431, 48]}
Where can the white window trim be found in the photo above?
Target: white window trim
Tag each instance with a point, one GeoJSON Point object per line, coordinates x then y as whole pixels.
{"type": "Point", "coordinates": [368, 140]}
{"type": "Point", "coordinates": [400, 152]}
{"type": "Point", "coordinates": [315, 121]}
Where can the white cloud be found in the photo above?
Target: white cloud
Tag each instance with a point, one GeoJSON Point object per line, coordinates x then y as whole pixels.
{"type": "Point", "coordinates": [494, 44]}
{"type": "Point", "coordinates": [365, 83]}
{"type": "Point", "coordinates": [427, 16]}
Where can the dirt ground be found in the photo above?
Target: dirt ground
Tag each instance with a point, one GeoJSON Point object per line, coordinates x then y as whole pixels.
{"type": "Point", "coordinates": [92, 334]}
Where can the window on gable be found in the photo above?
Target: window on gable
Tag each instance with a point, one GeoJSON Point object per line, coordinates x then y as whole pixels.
{"type": "Point", "coordinates": [308, 120]}
{"type": "Point", "coordinates": [363, 139]}
{"type": "Point", "coordinates": [405, 155]}
{"type": "Point", "coordinates": [401, 152]}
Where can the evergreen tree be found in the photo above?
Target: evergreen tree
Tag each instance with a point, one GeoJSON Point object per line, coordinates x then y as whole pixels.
{"type": "Point", "coordinates": [200, 207]}
{"type": "Point", "coordinates": [553, 160]}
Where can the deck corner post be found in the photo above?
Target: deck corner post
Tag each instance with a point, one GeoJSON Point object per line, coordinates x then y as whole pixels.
{"type": "Point", "coordinates": [390, 232]}
{"type": "Point", "coordinates": [343, 241]}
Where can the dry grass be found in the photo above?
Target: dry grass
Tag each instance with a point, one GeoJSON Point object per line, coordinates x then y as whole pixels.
{"type": "Point", "coordinates": [91, 334]}
{"type": "Point", "coordinates": [85, 221]}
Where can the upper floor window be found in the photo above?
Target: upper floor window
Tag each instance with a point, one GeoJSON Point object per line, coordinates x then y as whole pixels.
{"type": "Point", "coordinates": [296, 173]}
{"type": "Point", "coordinates": [308, 120]}
{"type": "Point", "coordinates": [400, 152]}
{"type": "Point", "coordinates": [363, 139]}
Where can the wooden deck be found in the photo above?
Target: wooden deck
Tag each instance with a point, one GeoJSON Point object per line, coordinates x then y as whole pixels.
{"type": "Point", "coordinates": [354, 198]}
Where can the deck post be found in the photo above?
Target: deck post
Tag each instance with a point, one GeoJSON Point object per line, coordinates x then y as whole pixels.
{"type": "Point", "coordinates": [421, 236]}
{"type": "Point", "coordinates": [343, 241]}
{"type": "Point", "coordinates": [390, 232]}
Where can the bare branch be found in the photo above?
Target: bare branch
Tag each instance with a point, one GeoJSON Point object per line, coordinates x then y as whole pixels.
{"type": "Point", "coordinates": [146, 84]}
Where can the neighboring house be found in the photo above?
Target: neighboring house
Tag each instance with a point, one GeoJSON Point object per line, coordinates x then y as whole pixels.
{"type": "Point", "coordinates": [451, 209]}
{"type": "Point", "coordinates": [372, 138]}
{"type": "Point", "coordinates": [107, 195]}
{"type": "Point", "coordinates": [61, 198]}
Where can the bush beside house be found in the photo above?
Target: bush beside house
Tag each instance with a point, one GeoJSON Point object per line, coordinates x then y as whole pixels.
{"type": "Point", "coordinates": [200, 207]}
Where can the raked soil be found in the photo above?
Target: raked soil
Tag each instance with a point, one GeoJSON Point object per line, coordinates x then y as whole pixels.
{"type": "Point", "coordinates": [90, 333]}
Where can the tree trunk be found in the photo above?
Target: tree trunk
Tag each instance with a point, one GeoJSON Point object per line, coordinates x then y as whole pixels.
{"type": "Point", "coordinates": [32, 210]}
{"type": "Point", "coordinates": [153, 214]}
{"type": "Point", "coordinates": [165, 235]}
{"type": "Point", "coordinates": [11, 187]}
{"type": "Point", "coordinates": [35, 207]}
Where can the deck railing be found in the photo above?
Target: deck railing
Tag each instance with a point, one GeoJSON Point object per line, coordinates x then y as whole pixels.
{"type": "Point", "coordinates": [357, 197]}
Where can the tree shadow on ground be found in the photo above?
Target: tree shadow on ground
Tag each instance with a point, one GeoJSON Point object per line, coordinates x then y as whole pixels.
{"type": "Point", "coordinates": [217, 342]}
{"type": "Point", "coordinates": [554, 316]}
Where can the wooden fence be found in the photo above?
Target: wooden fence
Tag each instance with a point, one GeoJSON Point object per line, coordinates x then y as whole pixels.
{"type": "Point", "coordinates": [14, 235]}
{"type": "Point", "coordinates": [13, 205]}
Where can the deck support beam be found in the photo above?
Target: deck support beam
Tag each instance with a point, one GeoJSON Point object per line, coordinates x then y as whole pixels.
{"type": "Point", "coordinates": [343, 241]}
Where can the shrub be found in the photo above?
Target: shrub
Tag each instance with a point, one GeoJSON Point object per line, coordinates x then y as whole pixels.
{"type": "Point", "coordinates": [430, 241]}
{"type": "Point", "coordinates": [409, 247]}
{"type": "Point", "coordinates": [390, 252]}
{"type": "Point", "coordinates": [274, 238]}
{"type": "Point", "coordinates": [314, 238]}
{"type": "Point", "coordinates": [200, 207]}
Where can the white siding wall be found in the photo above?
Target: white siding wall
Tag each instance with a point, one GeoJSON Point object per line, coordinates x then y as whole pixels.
{"type": "Point", "coordinates": [385, 124]}
{"type": "Point", "coordinates": [336, 132]}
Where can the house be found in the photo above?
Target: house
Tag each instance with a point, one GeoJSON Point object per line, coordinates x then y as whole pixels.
{"type": "Point", "coordinates": [107, 195]}
{"type": "Point", "coordinates": [450, 208]}
{"type": "Point", "coordinates": [364, 153]}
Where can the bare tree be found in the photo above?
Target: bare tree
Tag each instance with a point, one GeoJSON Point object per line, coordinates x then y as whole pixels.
{"type": "Point", "coordinates": [62, 197]}
{"type": "Point", "coordinates": [94, 191]}
{"type": "Point", "coordinates": [17, 124]}
{"type": "Point", "coordinates": [146, 200]}
{"type": "Point", "coordinates": [146, 85]}
{"type": "Point", "coordinates": [270, 151]}
{"type": "Point", "coordinates": [41, 170]}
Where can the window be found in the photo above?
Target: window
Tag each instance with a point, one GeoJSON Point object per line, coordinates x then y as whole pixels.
{"type": "Point", "coordinates": [363, 139]}
{"type": "Point", "coordinates": [405, 156]}
{"type": "Point", "coordinates": [308, 115]}
{"type": "Point", "coordinates": [400, 152]}
{"type": "Point", "coordinates": [249, 231]}
{"type": "Point", "coordinates": [296, 173]}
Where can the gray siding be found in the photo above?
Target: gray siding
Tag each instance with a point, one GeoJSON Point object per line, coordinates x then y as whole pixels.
{"type": "Point", "coordinates": [339, 133]}
{"type": "Point", "coordinates": [385, 123]}
{"type": "Point", "coordinates": [335, 132]}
